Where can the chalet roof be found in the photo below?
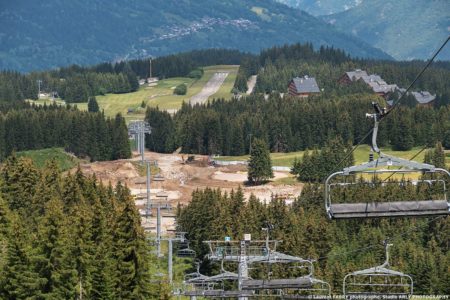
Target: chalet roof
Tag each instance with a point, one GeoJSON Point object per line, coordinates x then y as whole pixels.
{"type": "Point", "coordinates": [377, 84]}
{"type": "Point", "coordinates": [306, 85]}
{"type": "Point", "coordinates": [356, 74]}
{"type": "Point", "coordinates": [423, 97]}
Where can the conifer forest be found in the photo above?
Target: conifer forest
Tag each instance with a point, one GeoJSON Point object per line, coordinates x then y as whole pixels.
{"type": "Point", "coordinates": [73, 235]}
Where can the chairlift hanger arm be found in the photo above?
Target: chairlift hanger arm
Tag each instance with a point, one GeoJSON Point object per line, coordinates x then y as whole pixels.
{"type": "Point", "coordinates": [388, 161]}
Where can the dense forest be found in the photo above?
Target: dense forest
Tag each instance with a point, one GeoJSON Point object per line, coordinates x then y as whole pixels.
{"type": "Point", "coordinates": [68, 237]}
{"type": "Point", "coordinates": [84, 134]}
{"type": "Point", "coordinates": [291, 124]}
{"type": "Point", "coordinates": [421, 245]}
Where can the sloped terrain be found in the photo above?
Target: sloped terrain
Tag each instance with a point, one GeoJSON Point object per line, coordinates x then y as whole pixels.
{"type": "Point", "coordinates": [42, 35]}
{"type": "Point", "coordinates": [403, 28]}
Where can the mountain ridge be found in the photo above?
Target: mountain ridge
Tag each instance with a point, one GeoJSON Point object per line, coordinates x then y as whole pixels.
{"type": "Point", "coordinates": [404, 29]}
{"type": "Point", "coordinates": [37, 36]}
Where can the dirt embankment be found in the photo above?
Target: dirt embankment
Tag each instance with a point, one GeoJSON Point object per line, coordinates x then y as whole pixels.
{"type": "Point", "coordinates": [181, 178]}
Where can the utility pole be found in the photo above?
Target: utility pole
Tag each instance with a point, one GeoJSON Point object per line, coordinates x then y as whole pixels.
{"type": "Point", "coordinates": [148, 211]}
{"type": "Point", "coordinates": [158, 230]}
{"type": "Point", "coordinates": [170, 261]}
{"type": "Point", "coordinates": [250, 144]}
{"type": "Point", "coordinates": [150, 68]}
{"type": "Point", "coordinates": [39, 88]}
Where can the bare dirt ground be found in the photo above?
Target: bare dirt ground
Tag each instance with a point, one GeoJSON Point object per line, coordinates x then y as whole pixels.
{"type": "Point", "coordinates": [251, 84]}
{"type": "Point", "coordinates": [210, 88]}
{"type": "Point", "coordinates": [181, 179]}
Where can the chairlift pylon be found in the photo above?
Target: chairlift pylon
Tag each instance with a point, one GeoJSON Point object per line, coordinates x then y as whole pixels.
{"type": "Point", "coordinates": [386, 165]}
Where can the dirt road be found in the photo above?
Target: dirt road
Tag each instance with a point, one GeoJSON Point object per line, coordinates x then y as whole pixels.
{"type": "Point", "coordinates": [210, 88]}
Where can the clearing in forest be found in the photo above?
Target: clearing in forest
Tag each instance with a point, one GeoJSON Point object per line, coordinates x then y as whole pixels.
{"type": "Point", "coordinates": [159, 94]}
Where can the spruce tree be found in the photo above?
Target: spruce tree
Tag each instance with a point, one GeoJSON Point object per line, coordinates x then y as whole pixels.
{"type": "Point", "coordinates": [92, 104]}
{"type": "Point", "coordinates": [56, 264]}
{"type": "Point", "coordinates": [260, 164]}
{"type": "Point", "coordinates": [130, 250]}
{"type": "Point", "coordinates": [121, 144]}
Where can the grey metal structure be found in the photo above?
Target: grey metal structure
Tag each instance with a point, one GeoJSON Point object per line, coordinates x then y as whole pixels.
{"type": "Point", "coordinates": [179, 237]}
{"type": "Point", "coordinates": [138, 129]}
{"type": "Point", "coordinates": [379, 281]}
{"type": "Point", "coordinates": [249, 252]}
{"type": "Point", "coordinates": [389, 165]}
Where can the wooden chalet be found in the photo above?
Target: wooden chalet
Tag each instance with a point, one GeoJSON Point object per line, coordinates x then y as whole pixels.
{"type": "Point", "coordinates": [303, 86]}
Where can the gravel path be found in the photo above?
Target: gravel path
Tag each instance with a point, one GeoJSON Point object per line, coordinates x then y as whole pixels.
{"type": "Point", "coordinates": [210, 88]}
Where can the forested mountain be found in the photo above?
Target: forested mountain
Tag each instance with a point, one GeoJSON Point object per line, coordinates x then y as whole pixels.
{"type": "Point", "coordinates": [68, 237]}
{"type": "Point", "coordinates": [403, 28]}
{"type": "Point", "coordinates": [322, 7]}
{"type": "Point", "coordinates": [36, 35]}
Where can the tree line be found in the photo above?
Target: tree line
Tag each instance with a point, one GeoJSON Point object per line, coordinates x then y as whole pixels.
{"type": "Point", "coordinates": [291, 124]}
{"type": "Point", "coordinates": [339, 247]}
{"type": "Point", "coordinates": [84, 134]}
{"type": "Point", "coordinates": [68, 237]}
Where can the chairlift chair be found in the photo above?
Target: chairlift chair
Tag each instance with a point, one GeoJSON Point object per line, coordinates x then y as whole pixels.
{"type": "Point", "coordinates": [386, 165]}
{"type": "Point", "coordinates": [302, 287]}
{"type": "Point", "coordinates": [186, 252]}
{"type": "Point", "coordinates": [195, 277]}
{"type": "Point", "coordinates": [379, 281]}
{"type": "Point", "coordinates": [158, 177]}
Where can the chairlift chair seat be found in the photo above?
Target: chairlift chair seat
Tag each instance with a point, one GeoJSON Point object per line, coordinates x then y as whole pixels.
{"type": "Point", "coordinates": [267, 284]}
{"type": "Point", "coordinates": [389, 209]}
{"type": "Point", "coordinates": [158, 177]}
{"type": "Point", "coordinates": [186, 253]}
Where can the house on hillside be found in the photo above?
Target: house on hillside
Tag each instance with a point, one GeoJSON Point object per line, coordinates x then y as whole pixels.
{"type": "Point", "coordinates": [424, 98]}
{"type": "Point", "coordinates": [352, 76]}
{"type": "Point", "coordinates": [303, 86]}
{"type": "Point", "coordinates": [374, 81]}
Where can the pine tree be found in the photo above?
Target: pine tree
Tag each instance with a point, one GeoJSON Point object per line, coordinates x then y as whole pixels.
{"type": "Point", "coordinates": [439, 156]}
{"type": "Point", "coordinates": [56, 263]}
{"type": "Point", "coordinates": [21, 280]}
{"type": "Point", "coordinates": [92, 104]}
{"type": "Point", "coordinates": [19, 177]}
{"type": "Point", "coordinates": [130, 250]}
{"type": "Point", "coordinates": [121, 145]}
{"type": "Point", "coordinates": [260, 164]}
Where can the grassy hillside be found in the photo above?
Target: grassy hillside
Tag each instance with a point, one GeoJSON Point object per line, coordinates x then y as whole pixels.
{"type": "Point", "coordinates": [160, 95]}
{"type": "Point", "coordinates": [361, 155]}
{"type": "Point", "coordinates": [64, 160]}
{"type": "Point", "coordinates": [405, 29]}
{"type": "Point", "coordinates": [86, 32]}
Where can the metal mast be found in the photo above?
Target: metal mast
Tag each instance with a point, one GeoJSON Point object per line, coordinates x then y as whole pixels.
{"type": "Point", "coordinates": [139, 129]}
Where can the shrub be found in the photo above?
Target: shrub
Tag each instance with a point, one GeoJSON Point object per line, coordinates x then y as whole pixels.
{"type": "Point", "coordinates": [180, 89]}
